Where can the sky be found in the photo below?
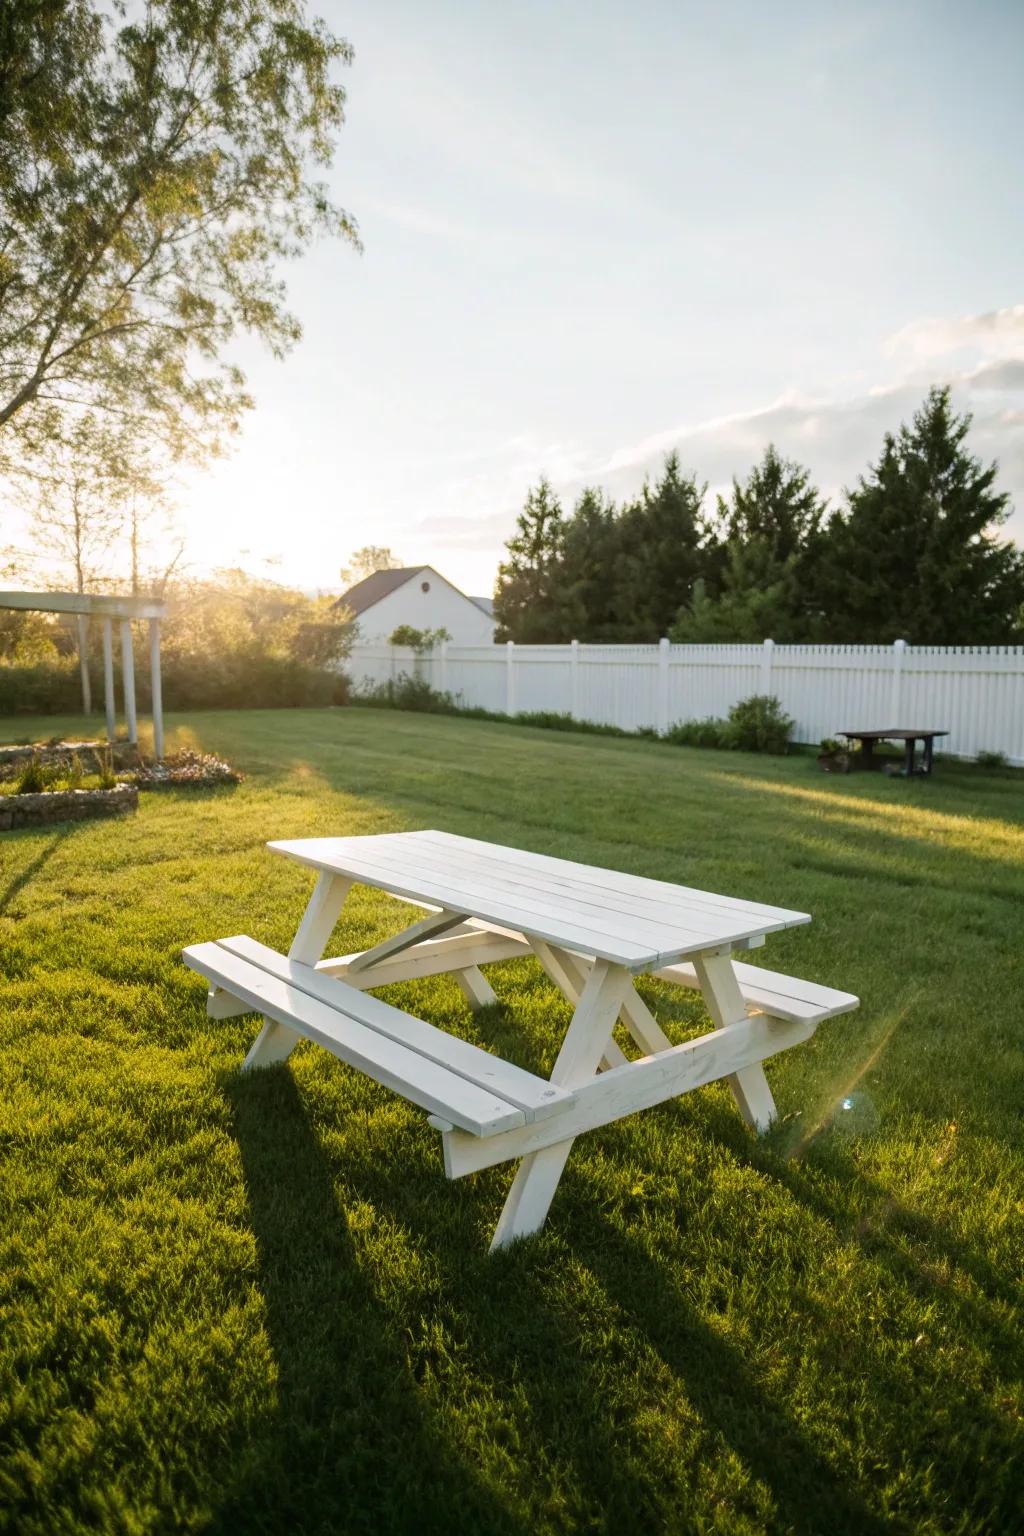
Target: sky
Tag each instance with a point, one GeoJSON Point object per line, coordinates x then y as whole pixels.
{"type": "Point", "coordinates": [595, 232]}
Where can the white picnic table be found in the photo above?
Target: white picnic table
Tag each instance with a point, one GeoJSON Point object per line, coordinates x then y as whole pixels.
{"type": "Point", "coordinates": [592, 930]}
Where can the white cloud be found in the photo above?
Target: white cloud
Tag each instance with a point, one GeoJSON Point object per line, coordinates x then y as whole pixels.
{"type": "Point", "coordinates": [997, 333]}
{"type": "Point", "coordinates": [835, 438]}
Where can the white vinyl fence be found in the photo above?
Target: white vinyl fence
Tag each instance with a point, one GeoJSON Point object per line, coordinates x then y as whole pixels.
{"type": "Point", "coordinates": [974, 692]}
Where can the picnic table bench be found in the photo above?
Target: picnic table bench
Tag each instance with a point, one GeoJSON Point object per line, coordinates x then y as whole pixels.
{"type": "Point", "coordinates": [910, 738]}
{"type": "Point", "coordinates": [592, 930]}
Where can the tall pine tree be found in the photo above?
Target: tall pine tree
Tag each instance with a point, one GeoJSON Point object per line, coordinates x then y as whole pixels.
{"type": "Point", "coordinates": [527, 597]}
{"type": "Point", "coordinates": [916, 555]}
{"type": "Point", "coordinates": [666, 546]}
{"type": "Point", "coordinates": [772, 546]}
{"type": "Point", "coordinates": [590, 549]}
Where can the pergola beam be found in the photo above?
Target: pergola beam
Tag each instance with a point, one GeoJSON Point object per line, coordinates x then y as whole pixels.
{"type": "Point", "coordinates": [108, 608]}
{"type": "Point", "coordinates": [93, 605]}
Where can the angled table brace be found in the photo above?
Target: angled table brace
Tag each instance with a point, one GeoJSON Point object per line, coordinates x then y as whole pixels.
{"type": "Point", "coordinates": [536, 1180]}
{"type": "Point", "coordinates": [275, 1042]}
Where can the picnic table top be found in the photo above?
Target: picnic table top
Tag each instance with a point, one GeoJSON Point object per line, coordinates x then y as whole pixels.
{"type": "Point", "coordinates": [628, 919]}
{"type": "Point", "coordinates": [898, 733]}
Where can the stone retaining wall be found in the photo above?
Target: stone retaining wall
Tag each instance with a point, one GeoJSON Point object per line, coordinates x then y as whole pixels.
{"type": "Point", "coordinates": [66, 805]}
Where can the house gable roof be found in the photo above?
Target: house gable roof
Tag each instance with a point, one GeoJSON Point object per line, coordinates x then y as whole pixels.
{"type": "Point", "coordinates": [375, 586]}
{"type": "Point", "coordinates": [380, 584]}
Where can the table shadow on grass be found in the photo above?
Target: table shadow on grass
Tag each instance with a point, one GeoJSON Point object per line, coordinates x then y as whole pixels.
{"type": "Point", "coordinates": [352, 1438]}
{"type": "Point", "coordinates": [519, 1323]}
{"type": "Point", "coordinates": [966, 1449]}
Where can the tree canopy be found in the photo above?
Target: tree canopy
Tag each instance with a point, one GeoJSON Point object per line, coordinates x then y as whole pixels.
{"type": "Point", "coordinates": [158, 161]}
{"type": "Point", "coordinates": [528, 599]}
{"type": "Point", "coordinates": [913, 553]}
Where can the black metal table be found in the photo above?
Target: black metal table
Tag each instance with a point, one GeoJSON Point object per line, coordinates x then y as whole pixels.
{"type": "Point", "coordinates": [910, 738]}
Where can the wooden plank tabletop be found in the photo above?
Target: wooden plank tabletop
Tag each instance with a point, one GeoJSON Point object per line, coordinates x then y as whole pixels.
{"type": "Point", "coordinates": [628, 919]}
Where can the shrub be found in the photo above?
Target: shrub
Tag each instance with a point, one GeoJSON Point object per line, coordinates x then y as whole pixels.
{"type": "Point", "coordinates": [40, 688]}
{"type": "Point", "coordinates": [699, 733]}
{"type": "Point", "coordinates": [992, 760]}
{"type": "Point", "coordinates": [757, 724]}
{"type": "Point", "coordinates": [550, 720]}
{"type": "Point", "coordinates": [760, 724]}
{"type": "Point", "coordinates": [405, 692]}
{"type": "Point", "coordinates": [419, 640]}
{"type": "Point", "coordinates": [105, 765]}
{"type": "Point", "coordinates": [33, 778]}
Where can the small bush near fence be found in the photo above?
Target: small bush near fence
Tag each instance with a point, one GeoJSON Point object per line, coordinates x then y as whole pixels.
{"type": "Point", "coordinates": [757, 724]}
{"type": "Point", "coordinates": [406, 692]}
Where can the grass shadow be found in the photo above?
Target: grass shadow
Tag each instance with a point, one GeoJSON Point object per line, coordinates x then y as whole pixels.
{"type": "Point", "coordinates": [351, 1431]}
{"type": "Point", "coordinates": [34, 867]}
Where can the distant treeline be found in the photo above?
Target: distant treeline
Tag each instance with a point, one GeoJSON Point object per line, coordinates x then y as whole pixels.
{"type": "Point", "coordinates": [913, 553]}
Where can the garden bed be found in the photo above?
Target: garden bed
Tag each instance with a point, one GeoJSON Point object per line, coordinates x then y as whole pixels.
{"type": "Point", "coordinates": [42, 810]}
{"type": "Point", "coordinates": [50, 782]}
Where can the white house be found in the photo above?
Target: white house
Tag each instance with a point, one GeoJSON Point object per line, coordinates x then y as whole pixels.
{"type": "Point", "coordinates": [420, 596]}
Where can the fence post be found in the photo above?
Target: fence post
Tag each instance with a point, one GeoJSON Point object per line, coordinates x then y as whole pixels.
{"type": "Point", "coordinates": [767, 651]}
{"type": "Point", "coordinates": [663, 654]}
{"type": "Point", "coordinates": [510, 680]}
{"type": "Point", "coordinates": [898, 651]}
{"type": "Point", "coordinates": [443, 669]}
{"type": "Point", "coordinates": [574, 679]}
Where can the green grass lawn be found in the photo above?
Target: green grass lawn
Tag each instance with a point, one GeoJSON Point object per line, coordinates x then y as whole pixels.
{"type": "Point", "coordinates": [255, 1305]}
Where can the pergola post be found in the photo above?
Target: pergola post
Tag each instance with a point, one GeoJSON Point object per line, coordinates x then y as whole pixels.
{"type": "Point", "coordinates": [107, 607]}
{"type": "Point", "coordinates": [128, 681]}
{"type": "Point", "coordinates": [154, 672]}
{"type": "Point", "coordinates": [83, 663]}
{"type": "Point", "coordinates": [108, 677]}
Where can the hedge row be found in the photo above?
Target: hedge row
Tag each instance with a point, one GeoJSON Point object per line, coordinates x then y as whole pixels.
{"type": "Point", "coordinates": [239, 681]}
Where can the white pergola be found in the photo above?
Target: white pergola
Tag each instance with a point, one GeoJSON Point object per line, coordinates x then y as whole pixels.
{"type": "Point", "coordinates": [124, 609]}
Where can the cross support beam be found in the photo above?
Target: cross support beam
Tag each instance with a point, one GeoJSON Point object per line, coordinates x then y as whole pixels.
{"type": "Point", "coordinates": [625, 1090]}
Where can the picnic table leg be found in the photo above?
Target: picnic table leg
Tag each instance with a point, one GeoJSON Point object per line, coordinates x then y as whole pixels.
{"type": "Point", "coordinates": [275, 1042]}
{"type": "Point", "coordinates": [537, 1176]}
{"type": "Point", "coordinates": [908, 761]}
{"type": "Point", "coordinates": [929, 749]}
{"type": "Point", "coordinates": [569, 972]}
{"type": "Point", "coordinates": [725, 1004]}
{"type": "Point", "coordinates": [475, 987]}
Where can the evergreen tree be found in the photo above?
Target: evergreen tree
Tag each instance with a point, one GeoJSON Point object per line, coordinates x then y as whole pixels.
{"type": "Point", "coordinates": [527, 597]}
{"type": "Point", "coordinates": [590, 545]}
{"type": "Point", "coordinates": [666, 546]}
{"type": "Point", "coordinates": [772, 545]}
{"type": "Point", "coordinates": [915, 556]}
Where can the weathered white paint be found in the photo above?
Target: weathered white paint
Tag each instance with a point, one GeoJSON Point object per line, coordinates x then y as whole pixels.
{"type": "Point", "coordinates": [440, 606]}
{"type": "Point", "coordinates": [974, 692]}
